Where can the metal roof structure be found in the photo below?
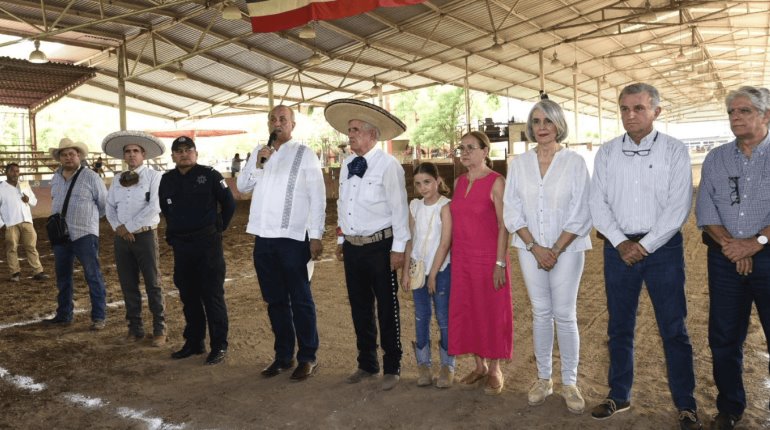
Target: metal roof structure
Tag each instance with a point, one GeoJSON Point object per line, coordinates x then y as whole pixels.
{"type": "Point", "coordinates": [35, 86]}
{"type": "Point", "coordinates": [579, 52]}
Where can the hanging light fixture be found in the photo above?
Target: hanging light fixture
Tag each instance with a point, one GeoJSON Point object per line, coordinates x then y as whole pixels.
{"type": "Point", "coordinates": [37, 56]}
{"type": "Point", "coordinates": [307, 32]}
{"type": "Point", "coordinates": [314, 59]}
{"type": "Point", "coordinates": [375, 88]}
{"type": "Point", "coordinates": [681, 57]}
{"type": "Point", "coordinates": [575, 68]}
{"type": "Point", "coordinates": [231, 12]}
{"type": "Point", "coordinates": [555, 59]}
{"type": "Point", "coordinates": [497, 47]}
{"type": "Point", "coordinates": [180, 74]}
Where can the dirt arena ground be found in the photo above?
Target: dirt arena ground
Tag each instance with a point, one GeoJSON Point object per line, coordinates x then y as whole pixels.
{"type": "Point", "coordinates": [72, 378]}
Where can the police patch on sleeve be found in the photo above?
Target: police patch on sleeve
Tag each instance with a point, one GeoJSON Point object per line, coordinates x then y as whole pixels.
{"type": "Point", "coordinates": [223, 184]}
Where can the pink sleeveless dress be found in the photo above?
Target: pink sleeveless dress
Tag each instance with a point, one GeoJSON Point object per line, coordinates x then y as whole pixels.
{"type": "Point", "coordinates": [480, 317]}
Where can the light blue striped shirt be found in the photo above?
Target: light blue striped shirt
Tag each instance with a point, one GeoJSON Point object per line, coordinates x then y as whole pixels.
{"type": "Point", "coordinates": [87, 202]}
{"type": "Point", "coordinates": [641, 195]}
{"type": "Point", "coordinates": [750, 190]}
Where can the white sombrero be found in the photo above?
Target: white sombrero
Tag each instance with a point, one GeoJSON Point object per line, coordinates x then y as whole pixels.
{"type": "Point", "coordinates": [114, 143]}
{"type": "Point", "coordinates": [339, 112]}
{"type": "Point", "coordinates": [66, 143]}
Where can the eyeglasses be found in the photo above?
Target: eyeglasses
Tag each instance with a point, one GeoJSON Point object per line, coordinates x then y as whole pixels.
{"type": "Point", "coordinates": [465, 149]}
{"type": "Point", "coordinates": [640, 152]}
{"type": "Point", "coordinates": [735, 193]}
{"type": "Point", "coordinates": [744, 111]}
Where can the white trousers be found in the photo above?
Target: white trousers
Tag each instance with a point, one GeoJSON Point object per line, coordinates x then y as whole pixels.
{"type": "Point", "coordinates": [553, 296]}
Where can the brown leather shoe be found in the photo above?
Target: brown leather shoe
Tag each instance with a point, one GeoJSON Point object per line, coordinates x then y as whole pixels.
{"type": "Point", "coordinates": [304, 371]}
{"type": "Point", "coordinates": [277, 367]}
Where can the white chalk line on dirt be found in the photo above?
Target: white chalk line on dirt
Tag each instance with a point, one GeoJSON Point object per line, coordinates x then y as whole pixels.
{"type": "Point", "coordinates": [28, 384]}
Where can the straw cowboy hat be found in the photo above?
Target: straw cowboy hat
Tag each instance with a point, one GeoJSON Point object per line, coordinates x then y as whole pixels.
{"type": "Point", "coordinates": [339, 112]}
{"type": "Point", "coordinates": [68, 143]}
{"type": "Point", "coordinates": [114, 143]}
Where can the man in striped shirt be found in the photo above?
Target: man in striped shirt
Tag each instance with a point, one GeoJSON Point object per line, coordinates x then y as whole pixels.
{"type": "Point", "coordinates": [641, 193]}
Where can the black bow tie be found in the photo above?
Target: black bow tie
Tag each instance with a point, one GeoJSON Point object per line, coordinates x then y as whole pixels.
{"type": "Point", "coordinates": [357, 167]}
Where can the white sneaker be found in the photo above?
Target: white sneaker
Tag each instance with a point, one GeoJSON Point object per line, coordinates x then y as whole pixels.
{"type": "Point", "coordinates": [541, 389]}
{"type": "Point", "coordinates": [573, 398]}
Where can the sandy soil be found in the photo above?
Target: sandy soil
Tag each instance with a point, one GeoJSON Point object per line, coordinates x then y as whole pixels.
{"type": "Point", "coordinates": [88, 380]}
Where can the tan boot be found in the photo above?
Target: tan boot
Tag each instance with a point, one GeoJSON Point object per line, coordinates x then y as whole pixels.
{"type": "Point", "coordinates": [446, 377]}
{"type": "Point", "coordinates": [159, 340]}
{"type": "Point", "coordinates": [424, 376]}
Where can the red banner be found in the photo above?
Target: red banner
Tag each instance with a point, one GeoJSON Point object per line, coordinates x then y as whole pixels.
{"type": "Point", "coordinates": [268, 16]}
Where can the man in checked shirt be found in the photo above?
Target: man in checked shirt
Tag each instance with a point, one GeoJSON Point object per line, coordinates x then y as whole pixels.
{"type": "Point", "coordinates": [733, 209]}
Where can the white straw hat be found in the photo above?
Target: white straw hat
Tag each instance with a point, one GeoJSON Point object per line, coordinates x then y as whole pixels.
{"type": "Point", "coordinates": [339, 112]}
{"type": "Point", "coordinates": [65, 143]}
{"type": "Point", "coordinates": [114, 143]}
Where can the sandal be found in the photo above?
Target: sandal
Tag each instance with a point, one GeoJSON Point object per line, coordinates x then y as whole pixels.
{"type": "Point", "coordinates": [492, 390]}
{"type": "Point", "coordinates": [472, 379]}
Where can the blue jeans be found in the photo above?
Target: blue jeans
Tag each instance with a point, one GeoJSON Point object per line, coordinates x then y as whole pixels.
{"type": "Point", "coordinates": [730, 298]}
{"type": "Point", "coordinates": [422, 314]}
{"type": "Point", "coordinates": [663, 274]}
{"type": "Point", "coordinates": [281, 266]}
{"type": "Point", "coordinates": [86, 249]}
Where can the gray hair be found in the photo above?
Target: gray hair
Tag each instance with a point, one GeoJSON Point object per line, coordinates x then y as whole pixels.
{"type": "Point", "coordinates": [554, 113]}
{"type": "Point", "coordinates": [366, 126]}
{"type": "Point", "coordinates": [760, 97]}
{"type": "Point", "coordinates": [641, 87]}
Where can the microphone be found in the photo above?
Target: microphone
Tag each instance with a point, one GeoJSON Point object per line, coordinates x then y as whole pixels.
{"type": "Point", "coordinates": [270, 140]}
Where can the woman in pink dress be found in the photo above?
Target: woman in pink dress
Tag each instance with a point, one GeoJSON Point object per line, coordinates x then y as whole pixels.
{"type": "Point", "coordinates": [480, 308]}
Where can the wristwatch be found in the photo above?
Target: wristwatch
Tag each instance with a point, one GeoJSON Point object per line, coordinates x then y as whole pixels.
{"type": "Point", "coordinates": [500, 263]}
{"type": "Point", "coordinates": [531, 245]}
{"type": "Point", "coordinates": [762, 239]}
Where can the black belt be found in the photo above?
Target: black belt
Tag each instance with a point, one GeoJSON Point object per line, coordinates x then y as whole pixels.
{"type": "Point", "coordinates": [205, 231]}
{"type": "Point", "coordinates": [631, 237]}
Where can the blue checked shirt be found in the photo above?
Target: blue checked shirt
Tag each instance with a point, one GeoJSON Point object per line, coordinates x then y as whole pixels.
{"type": "Point", "coordinates": [734, 190]}
{"type": "Point", "coordinates": [87, 202]}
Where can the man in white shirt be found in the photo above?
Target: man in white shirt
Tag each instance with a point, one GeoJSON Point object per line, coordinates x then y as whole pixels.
{"type": "Point", "coordinates": [133, 211]}
{"type": "Point", "coordinates": [373, 231]}
{"type": "Point", "coordinates": [640, 197]}
{"type": "Point", "coordinates": [287, 214]}
{"type": "Point", "coordinates": [15, 202]}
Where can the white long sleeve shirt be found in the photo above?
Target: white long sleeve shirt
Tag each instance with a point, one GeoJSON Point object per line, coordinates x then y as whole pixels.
{"type": "Point", "coordinates": [136, 206]}
{"type": "Point", "coordinates": [376, 201]}
{"type": "Point", "coordinates": [288, 194]}
{"type": "Point", "coordinates": [551, 204]}
{"type": "Point", "coordinates": [641, 195]}
{"type": "Point", "coordinates": [12, 210]}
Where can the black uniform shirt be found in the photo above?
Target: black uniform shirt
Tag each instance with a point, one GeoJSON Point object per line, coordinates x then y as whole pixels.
{"type": "Point", "coordinates": [189, 201]}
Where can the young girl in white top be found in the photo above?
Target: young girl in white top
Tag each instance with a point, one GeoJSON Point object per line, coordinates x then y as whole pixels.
{"type": "Point", "coordinates": [431, 225]}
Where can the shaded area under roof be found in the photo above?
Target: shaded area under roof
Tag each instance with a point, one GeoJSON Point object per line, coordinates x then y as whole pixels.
{"type": "Point", "coordinates": [35, 86]}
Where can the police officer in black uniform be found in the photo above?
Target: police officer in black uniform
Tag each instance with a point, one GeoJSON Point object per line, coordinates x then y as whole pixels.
{"type": "Point", "coordinates": [189, 199]}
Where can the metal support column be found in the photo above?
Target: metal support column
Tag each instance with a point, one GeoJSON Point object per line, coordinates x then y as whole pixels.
{"type": "Point", "coordinates": [122, 85]}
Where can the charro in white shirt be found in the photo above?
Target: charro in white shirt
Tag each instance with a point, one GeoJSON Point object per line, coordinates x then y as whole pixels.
{"type": "Point", "coordinates": [376, 201]}
{"type": "Point", "coordinates": [136, 206]}
{"type": "Point", "coordinates": [288, 193]}
{"type": "Point", "coordinates": [641, 194]}
{"type": "Point", "coordinates": [12, 209]}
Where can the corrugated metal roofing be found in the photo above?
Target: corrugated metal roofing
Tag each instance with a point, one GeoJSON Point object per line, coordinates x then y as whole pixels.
{"type": "Point", "coordinates": [725, 45]}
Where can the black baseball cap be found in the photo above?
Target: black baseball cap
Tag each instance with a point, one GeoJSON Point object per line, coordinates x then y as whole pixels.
{"type": "Point", "coordinates": [182, 140]}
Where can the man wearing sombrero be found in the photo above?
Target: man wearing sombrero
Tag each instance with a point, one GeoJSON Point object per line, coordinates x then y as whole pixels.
{"type": "Point", "coordinates": [373, 232]}
{"type": "Point", "coordinates": [133, 211]}
{"type": "Point", "coordinates": [86, 205]}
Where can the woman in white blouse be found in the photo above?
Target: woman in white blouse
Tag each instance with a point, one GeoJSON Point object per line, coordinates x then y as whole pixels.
{"type": "Point", "coordinates": [546, 206]}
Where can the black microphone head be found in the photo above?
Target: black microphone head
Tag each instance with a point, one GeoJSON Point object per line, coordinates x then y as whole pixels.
{"type": "Point", "coordinates": [273, 136]}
